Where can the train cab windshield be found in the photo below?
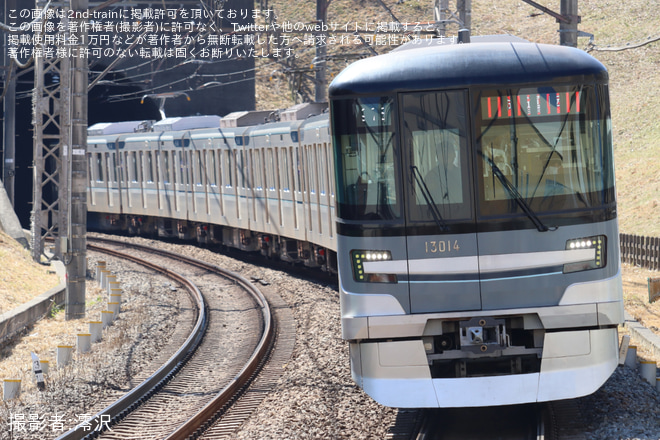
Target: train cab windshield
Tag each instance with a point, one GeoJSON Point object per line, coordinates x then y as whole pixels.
{"type": "Point", "coordinates": [366, 151]}
{"type": "Point", "coordinates": [474, 154]}
{"type": "Point", "coordinates": [543, 148]}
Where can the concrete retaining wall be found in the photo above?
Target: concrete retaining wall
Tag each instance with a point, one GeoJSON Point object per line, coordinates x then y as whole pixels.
{"type": "Point", "coordinates": [15, 320]}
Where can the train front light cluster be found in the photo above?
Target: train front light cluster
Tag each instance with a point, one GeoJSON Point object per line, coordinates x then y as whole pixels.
{"type": "Point", "coordinates": [598, 243]}
{"type": "Point", "coordinates": [359, 257]}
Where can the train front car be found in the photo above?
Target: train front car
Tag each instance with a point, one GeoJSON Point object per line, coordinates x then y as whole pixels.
{"type": "Point", "coordinates": [477, 234]}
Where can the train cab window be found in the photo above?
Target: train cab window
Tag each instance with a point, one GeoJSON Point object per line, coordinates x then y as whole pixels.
{"type": "Point", "coordinates": [366, 158]}
{"type": "Point", "coordinates": [436, 144]}
{"type": "Point", "coordinates": [544, 149]}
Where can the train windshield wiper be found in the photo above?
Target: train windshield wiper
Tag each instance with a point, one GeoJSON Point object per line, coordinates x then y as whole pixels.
{"type": "Point", "coordinates": [435, 212]}
{"type": "Point", "coordinates": [520, 200]}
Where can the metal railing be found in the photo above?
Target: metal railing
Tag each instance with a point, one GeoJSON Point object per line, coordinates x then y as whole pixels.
{"type": "Point", "coordinates": [640, 251]}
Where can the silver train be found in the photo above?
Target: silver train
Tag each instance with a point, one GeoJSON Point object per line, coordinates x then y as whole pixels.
{"type": "Point", "coordinates": [233, 181]}
{"type": "Point", "coordinates": [464, 194]}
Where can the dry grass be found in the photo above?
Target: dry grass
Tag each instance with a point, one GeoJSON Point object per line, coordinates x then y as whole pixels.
{"type": "Point", "coordinates": [21, 279]}
{"type": "Point", "coordinates": [43, 338]}
{"type": "Point", "coordinates": [636, 301]}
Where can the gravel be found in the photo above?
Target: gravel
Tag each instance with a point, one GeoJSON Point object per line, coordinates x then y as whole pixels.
{"type": "Point", "coordinates": [626, 407]}
{"type": "Point", "coordinates": [115, 365]}
{"type": "Point", "coordinates": [316, 397]}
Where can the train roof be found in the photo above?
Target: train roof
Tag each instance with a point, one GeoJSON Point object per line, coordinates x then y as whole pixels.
{"type": "Point", "coordinates": [435, 66]}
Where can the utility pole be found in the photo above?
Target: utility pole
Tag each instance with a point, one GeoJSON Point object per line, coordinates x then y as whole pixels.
{"type": "Point", "coordinates": [440, 13]}
{"type": "Point", "coordinates": [568, 20]}
{"type": "Point", "coordinates": [9, 118]}
{"type": "Point", "coordinates": [464, 8]}
{"type": "Point", "coordinates": [60, 154]}
{"type": "Point", "coordinates": [320, 63]}
{"type": "Point", "coordinates": [568, 30]}
{"type": "Point", "coordinates": [77, 231]}
{"type": "Point", "coordinates": [443, 15]}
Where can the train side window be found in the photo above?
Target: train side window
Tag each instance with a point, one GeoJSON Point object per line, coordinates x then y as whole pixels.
{"type": "Point", "coordinates": [198, 168]}
{"type": "Point", "coordinates": [270, 170]}
{"type": "Point", "coordinates": [112, 167]}
{"type": "Point", "coordinates": [320, 164]}
{"type": "Point", "coordinates": [166, 167]}
{"type": "Point", "coordinates": [311, 175]}
{"type": "Point", "coordinates": [229, 163]}
{"type": "Point", "coordinates": [212, 170]}
{"type": "Point", "coordinates": [179, 161]}
{"type": "Point", "coordinates": [297, 178]}
{"type": "Point", "coordinates": [258, 167]}
{"type": "Point", "coordinates": [284, 170]}
{"type": "Point", "coordinates": [99, 167]}
{"type": "Point", "coordinates": [242, 172]}
{"type": "Point", "coordinates": [148, 166]}
{"type": "Point", "coordinates": [90, 167]}
{"type": "Point", "coordinates": [329, 169]}
{"type": "Point", "coordinates": [124, 169]}
{"type": "Point", "coordinates": [133, 167]}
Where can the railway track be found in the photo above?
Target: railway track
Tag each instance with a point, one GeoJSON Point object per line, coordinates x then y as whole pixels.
{"type": "Point", "coordinates": [233, 334]}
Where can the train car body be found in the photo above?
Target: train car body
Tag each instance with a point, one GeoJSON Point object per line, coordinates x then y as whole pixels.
{"type": "Point", "coordinates": [240, 182]}
{"type": "Point", "coordinates": [477, 235]}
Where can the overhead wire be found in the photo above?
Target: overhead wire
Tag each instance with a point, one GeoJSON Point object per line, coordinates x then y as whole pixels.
{"type": "Point", "coordinates": [593, 47]}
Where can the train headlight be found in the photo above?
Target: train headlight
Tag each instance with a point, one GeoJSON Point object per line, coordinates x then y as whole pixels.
{"type": "Point", "coordinates": [359, 257]}
{"type": "Point", "coordinates": [599, 245]}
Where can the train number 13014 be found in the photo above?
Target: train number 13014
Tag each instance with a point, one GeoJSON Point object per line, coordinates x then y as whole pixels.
{"type": "Point", "coordinates": [441, 246]}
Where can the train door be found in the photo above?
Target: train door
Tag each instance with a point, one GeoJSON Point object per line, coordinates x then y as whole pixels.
{"type": "Point", "coordinates": [441, 241]}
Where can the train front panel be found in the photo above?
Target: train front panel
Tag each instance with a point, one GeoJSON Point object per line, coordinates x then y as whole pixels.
{"type": "Point", "coordinates": [477, 233]}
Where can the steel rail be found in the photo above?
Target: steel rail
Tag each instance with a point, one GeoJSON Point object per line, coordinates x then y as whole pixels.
{"type": "Point", "coordinates": [131, 400]}
{"type": "Point", "coordinates": [247, 373]}
{"type": "Point", "coordinates": [122, 407]}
